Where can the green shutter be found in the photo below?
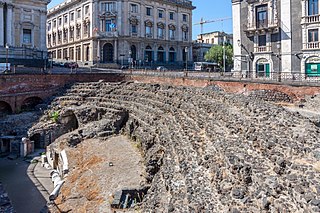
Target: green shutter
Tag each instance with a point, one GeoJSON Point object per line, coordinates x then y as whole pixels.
{"type": "Point", "coordinates": [267, 70]}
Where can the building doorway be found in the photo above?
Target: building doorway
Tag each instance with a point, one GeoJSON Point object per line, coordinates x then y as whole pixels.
{"type": "Point", "coordinates": [313, 67]}
{"type": "Point", "coordinates": [133, 52]}
{"type": "Point", "coordinates": [108, 53]}
{"type": "Point", "coordinates": [172, 54]}
{"type": "Point", "coordinates": [149, 55]}
{"type": "Point", "coordinates": [161, 55]}
{"type": "Point", "coordinates": [263, 68]}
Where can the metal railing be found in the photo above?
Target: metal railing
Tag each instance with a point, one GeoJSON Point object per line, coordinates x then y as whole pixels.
{"type": "Point", "coordinates": [271, 77]}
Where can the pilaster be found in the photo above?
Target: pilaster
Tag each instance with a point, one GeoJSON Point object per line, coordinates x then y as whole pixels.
{"type": "Point", "coordinates": [9, 24]}
{"type": "Point", "coordinates": [1, 24]}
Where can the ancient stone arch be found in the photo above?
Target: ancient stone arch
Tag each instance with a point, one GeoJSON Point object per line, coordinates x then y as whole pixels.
{"type": "Point", "coordinates": [30, 103]}
{"type": "Point", "coordinates": [5, 108]}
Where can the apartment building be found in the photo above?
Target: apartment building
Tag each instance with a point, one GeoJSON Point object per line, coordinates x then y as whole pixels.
{"type": "Point", "coordinates": [206, 40]}
{"type": "Point", "coordinates": [140, 32]}
{"type": "Point", "coordinates": [23, 31]}
{"type": "Point", "coordinates": [276, 38]}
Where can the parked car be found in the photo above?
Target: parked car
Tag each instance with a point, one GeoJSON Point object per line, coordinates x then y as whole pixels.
{"type": "Point", "coordinates": [162, 68]}
{"type": "Point", "coordinates": [73, 65]}
{"type": "Point", "coordinates": [124, 67]}
{"type": "Point", "coordinates": [61, 64]}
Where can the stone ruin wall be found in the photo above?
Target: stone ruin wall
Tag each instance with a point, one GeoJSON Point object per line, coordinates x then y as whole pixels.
{"type": "Point", "coordinates": [204, 150]}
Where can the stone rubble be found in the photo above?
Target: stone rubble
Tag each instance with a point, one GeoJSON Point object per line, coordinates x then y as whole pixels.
{"type": "Point", "coordinates": [205, 150]}
{"type": "Point", "coordinates": [5, 203]}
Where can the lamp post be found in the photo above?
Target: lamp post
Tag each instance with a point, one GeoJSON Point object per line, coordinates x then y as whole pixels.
{"type": "Point", "coordinates": [279, 57]}
{"type": "Point", "coordinates": [130, 61]}
{"type": "Point", "coordinates": [186, 52]}
{"type": "Point", "coordinates": [7, 53]}
{"type": "Point", "coordinates": [224, 54]}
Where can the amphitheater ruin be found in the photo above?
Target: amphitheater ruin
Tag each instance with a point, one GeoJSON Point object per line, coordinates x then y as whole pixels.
{"type": "Point", "coordinates": [182, 149]}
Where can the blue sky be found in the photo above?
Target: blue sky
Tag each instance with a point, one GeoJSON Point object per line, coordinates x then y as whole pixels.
{"type": "Point", "coordinates": [208, 9]}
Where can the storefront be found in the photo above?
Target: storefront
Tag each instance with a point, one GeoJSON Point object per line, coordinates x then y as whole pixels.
{"type": "Point", "coordinates": [313, 66]}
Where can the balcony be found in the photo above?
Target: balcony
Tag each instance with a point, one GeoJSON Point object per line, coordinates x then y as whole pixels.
{"type": "Point", "coordinates": [261, 27]}
{"type": "Point", "coordinates": [108, 34]}
{"type": "Point", "coordinates": [310, 19]}
{"type": "Point", "coordinates": [148, 35]}
{"type": "Point", "coordinates": [311, 45]}
{"type": "Point", "coordinates": [262, 49]}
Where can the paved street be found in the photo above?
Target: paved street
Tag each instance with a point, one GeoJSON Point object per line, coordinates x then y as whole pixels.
{"type": "Point", "coordinates": [26, 192]}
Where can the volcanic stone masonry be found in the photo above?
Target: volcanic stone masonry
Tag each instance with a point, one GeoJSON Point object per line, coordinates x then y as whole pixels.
{"type": "Point", "coordinates": [205, 150]}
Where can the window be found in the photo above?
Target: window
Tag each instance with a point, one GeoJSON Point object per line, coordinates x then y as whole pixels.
{"type": "Point", "coordinates": [49, 26]}
{"type": "Point", "coordinates": [160, 14]}
{"type": "Point", "coordinates": [60, 21]}
{"type": "Point", "coordinates": [26, 36]}
{"type": "Point", "coordinates": [108, 25]}
{"type": "Point", "coordinates": [160, 32]}
{"type": "Point", "coordinates": [185, 35]}
{"type": "Point", "coordinates": [72, 16]}
{"type": "Point", "coordinates": [59, 53]}
{"type": "Point", "coordinates": [79, 13]}
{"type": "Point", "coordinates": [148, 31]}
{"type": "Point", "coordinates": [313, 35]}
{"type": "Point", "coordinates": [78, 31]}
{"type": "Point", "coordinates": [134, 8]}
{"type": "Point", "coordinates": [171, 34]}
{"type": "Point", "coordinates": [184, 17]}
{"type": "Point", "coordinates": [78, 53]}
{"type": "Point", "coordinates": [149, 11]}
{"type": "Point", "coordinates": [313, 7]}
{"type": "Point", "coordinates": [134, 29]}
{"type": "Point", "coordinates": [262, 16]}
{"type": "Point", "coordinates": [65, 54]}
{"type": "Point", "coordinates": [54, 54]}
{"type": "Point", "coordinates": [86, 10]}
{"type": "Point", "coordinates": [55, 23]}
{"type": "Point", "coordinates": [65, 19]}
{"type": "Point", "coordinates": [108, 6]}
{"type": "Point", "coordinates": [171, 15]}
{"type": "Point", "coordinates": [71, 33]}
{"type": "Point", "coordinates": [262, 41]}
{"type": "Point", "coordinates": [71, 53]}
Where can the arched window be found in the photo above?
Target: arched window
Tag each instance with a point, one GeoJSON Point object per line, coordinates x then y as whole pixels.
{"type": "Point", "coordinates": [172, 54]}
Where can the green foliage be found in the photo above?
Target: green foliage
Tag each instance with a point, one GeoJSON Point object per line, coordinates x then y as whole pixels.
{"type": "Point", "coordinates": [215, 54]}
{"type": "Point", "coordinates": [55, 116]}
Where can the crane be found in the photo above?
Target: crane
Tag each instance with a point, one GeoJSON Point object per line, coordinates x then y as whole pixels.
{"type": "Point", "coordinates": [202, 22]}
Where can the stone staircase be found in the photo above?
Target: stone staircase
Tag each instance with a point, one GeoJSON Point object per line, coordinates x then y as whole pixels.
{"type": "Point", "coordinates": [209, 151]}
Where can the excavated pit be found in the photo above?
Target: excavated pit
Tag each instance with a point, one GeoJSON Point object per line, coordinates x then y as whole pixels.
{"type": "Point", "coordinates": [203, 150]}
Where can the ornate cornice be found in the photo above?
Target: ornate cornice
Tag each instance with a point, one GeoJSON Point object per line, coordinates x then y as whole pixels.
{"type": "Point", "coordinates": [184, 28]}
{"type": "Point", "coordinates": [133, 20]}
{"type": "Point", "coordinates": [161, 25]}
{"type": "Point", "coordinates": [171, 27]}
{"type": "Point", "coordinates": [148, 23]}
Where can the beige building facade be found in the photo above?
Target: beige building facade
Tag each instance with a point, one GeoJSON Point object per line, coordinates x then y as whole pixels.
{"type": "Point", "coordinates": [22, 30]}
{"type": "Point", "coordinates": [215, 38]}
{"type": "Point", "coordinates": [142, 33]}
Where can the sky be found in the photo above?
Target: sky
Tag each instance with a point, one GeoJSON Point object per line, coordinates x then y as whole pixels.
{"type": "Point", "coordinates": [206, 9]}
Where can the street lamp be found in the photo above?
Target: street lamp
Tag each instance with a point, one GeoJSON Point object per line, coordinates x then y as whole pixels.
{"type": "Point", "coordinates": [279, 56]}
{"type": "Point", "coordinates": [130, 60]}
{"type": "Point", "coordinates": [186, 52]}
{"type": "Point", "coordinates": [7, 52]}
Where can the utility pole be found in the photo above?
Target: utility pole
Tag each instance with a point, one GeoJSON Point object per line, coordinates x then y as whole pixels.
{"type": "Point", "coordinates": [224, 55]}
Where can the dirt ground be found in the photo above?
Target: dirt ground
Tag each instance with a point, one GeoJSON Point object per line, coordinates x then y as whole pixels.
{"type": "Point", "coordinates": [92, 181]}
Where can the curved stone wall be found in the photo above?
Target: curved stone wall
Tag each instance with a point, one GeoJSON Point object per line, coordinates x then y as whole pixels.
{"type": "Point", "coordinates": [205, 151]}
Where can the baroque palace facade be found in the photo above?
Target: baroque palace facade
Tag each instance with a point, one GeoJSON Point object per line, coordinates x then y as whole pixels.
{"type": "Point", "coordinates": [23, 31]}
{"type": "Point", "coordinates": [144, 32]}
{"type": "Point", "coordinates": [277, 38]}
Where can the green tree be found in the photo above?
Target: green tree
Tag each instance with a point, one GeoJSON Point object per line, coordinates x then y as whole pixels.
{"type": "Point", "coordinates": [215, 54]}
